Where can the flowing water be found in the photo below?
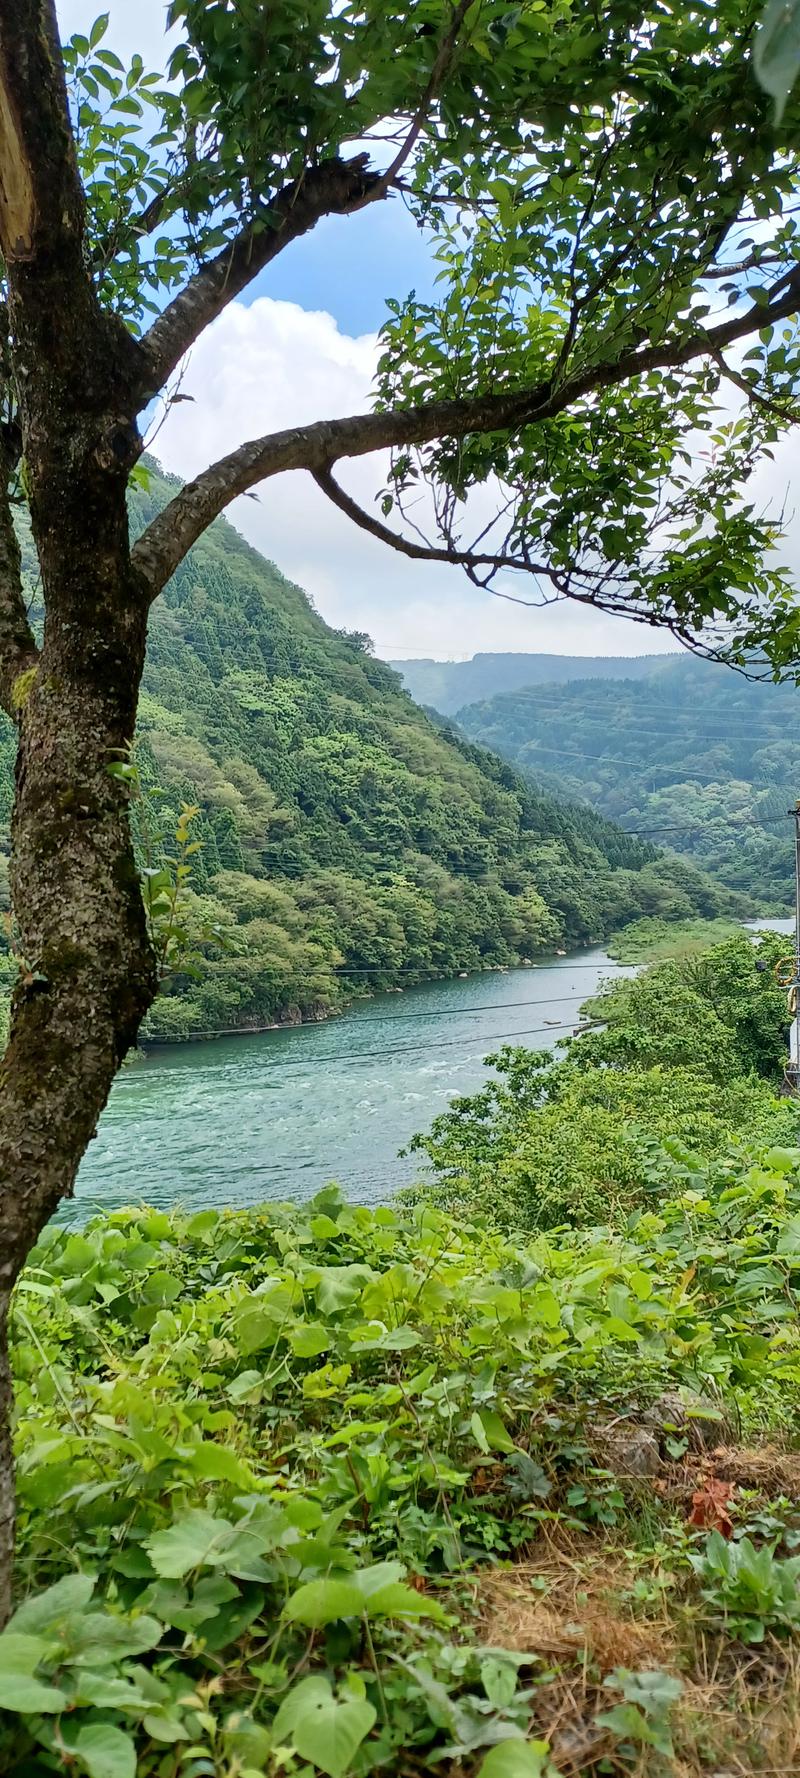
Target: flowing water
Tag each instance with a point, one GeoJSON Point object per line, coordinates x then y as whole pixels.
{"type": "Point", "coordinates": [237, 1120]}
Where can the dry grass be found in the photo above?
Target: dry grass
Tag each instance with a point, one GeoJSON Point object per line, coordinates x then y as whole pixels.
{"type": "Point", "coordinates": [572, 1613]}
{"type": "Point", "coordinates": [564, 1604]}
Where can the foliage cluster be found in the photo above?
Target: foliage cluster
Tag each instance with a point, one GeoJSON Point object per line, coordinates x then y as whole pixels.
{"type": "Point", "coordinates": [262, 1454]}
{"type": "Point", "coordinates": [343, 839]}
{"type": "Point", "coordinates": [685, 1062]}
{"type": "Point", "coordinates": [710, 758]}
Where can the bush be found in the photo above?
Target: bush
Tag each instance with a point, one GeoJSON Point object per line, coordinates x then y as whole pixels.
{"type": "Point", "coordinates": [251, 1449]}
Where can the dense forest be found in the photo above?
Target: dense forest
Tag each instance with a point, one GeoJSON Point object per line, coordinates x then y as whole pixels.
{"type": "Point", "coordinates": [692, 755]}
{"type": "Point", "coordinates": [344, 838]}
{"type": "Point", "coordinates": [449, 685]}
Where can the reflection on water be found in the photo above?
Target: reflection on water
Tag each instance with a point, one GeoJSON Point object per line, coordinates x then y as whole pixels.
{"type": "Point", "coordinates": [241, 1119]}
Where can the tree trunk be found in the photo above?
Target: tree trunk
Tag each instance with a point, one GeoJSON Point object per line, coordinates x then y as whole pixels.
{"type": "Point", "coordinates": [87, 970]}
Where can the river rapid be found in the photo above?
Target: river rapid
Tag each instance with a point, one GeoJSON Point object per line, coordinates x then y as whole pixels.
{"type": "Point", "coordinates": [237, 1120]}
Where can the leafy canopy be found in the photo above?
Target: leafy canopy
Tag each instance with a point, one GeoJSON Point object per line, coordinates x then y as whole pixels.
{"type": "Point", "coordinates": [610, 199]}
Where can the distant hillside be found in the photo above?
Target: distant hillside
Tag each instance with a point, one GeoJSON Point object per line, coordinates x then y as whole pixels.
{"type": "Point", "coordinates": [347, 841]}
{"type": "Point", "coordinates": [695, 756]}
{"type": "Point", "coordinates": [449, 685]}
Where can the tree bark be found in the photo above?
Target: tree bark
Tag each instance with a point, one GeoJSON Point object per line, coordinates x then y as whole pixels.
{"type": "Point", "coordinates": [87, 973]}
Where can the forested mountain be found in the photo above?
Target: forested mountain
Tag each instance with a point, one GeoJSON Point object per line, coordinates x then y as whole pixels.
{"type": "Point", "coordinates": [346, 839]}
{"type": "Point", "coordinates": [693, 755]}
{"type": "Point", "coordinates": [449, 685]}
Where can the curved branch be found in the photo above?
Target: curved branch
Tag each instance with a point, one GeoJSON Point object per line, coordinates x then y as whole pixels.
{"type": "Point", "coordinates": [444, 57]}
{"type": "Point", "coordinates": [420, 552]}
{"type": "Point", "coordinates": [788, 415]}
{"type": "Point", "coordinates": [166, 541]}
{"type": "Point", "coordinates": [335, 187]}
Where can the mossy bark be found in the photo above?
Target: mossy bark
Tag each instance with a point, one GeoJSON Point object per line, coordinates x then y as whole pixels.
{"type": "Point", "coordinates": [87, 975]}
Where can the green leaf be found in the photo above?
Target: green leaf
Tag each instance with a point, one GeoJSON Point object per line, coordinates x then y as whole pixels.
{"type": "Point", "coordinates": [107, 1752]}
{"type": "Point", "coordinates": [309, 1339]}
{"type": "Point", "coordinates": [398, 1600]}
{"type": "Point", "coordinates": [19, 1690]}
{"type": "Point", "coordinates": [516, 1759]}
{"type": "Point", "coordinates": [188, 1543]}
{"type": "Point", "coordinates": [218, 1463]}
{"type": "Point", "coordinates": [776, 51]}
{"type": "Point", "coordinates": [497, 1439]}
{"type": "Point", "coordinates": [48, 1610]}
{"type": "Point", "coordinates": [322, 1729]}
{"type": "Point", "coordinates": [321, 1602]}
{"type": "Point", "coordinates": [479, 1435]}
{"type": "Point", "coordinates": [340, 1286]}
{"type": "Point", "coordinates": [499, 1680]}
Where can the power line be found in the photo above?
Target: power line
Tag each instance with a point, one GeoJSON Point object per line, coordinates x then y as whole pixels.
{"type": "Point", "coordinates": [500, 866]}
{"type": "Point", "coordinates": [618, 760]}
{"type": "Point", "coordinates": [499, 968]}
{"type": "Point", "coordinates": [423, 1048]}
{"type": "Point", "coordinates": [454, 1012]}
{"type": "Point", "coordinates": [600, 711]}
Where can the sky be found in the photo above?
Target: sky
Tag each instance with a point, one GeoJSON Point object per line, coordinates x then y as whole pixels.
{"type": "Point", "coordinates": [302, 345]}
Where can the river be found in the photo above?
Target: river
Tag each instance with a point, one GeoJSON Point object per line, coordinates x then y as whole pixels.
{"type": "Point", "coordinates": [238, 1120]}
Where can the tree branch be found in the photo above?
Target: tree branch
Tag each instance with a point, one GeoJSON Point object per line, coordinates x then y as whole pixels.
{"type": "Point", "coordinates": [166, 541]}
{"type": "Point", "coordinates": [335, 187]}
{"type": "Point", "coordinates": [444, 57]}
{"type": "Point", "coordinates": [788, 415]}
{"type": "Point", "coordinates": [420, 552]}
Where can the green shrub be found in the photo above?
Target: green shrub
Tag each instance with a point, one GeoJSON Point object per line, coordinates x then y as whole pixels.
{"type": "Point", "coordinates": [247, 1455]}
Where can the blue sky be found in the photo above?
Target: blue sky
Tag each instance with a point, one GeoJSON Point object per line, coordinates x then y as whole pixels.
{"type": "Point", "coordinates": [388, 251]}
{"type": "Point", "coordinates": [301, 346]}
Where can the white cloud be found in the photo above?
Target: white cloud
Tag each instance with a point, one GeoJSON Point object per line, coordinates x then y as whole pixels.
{"type": "Point", "coordinates": [273, 364]}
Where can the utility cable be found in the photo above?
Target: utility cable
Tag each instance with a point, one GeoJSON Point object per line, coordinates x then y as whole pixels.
{"type": "Point", "coordinates": [369, 1056]}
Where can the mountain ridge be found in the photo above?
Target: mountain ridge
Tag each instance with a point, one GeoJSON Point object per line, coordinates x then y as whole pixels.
{"type": "Point", "coordinates": [698, 756]}
{"type": "Point", "coordinates": [447, 686]}
{"type": "Point", "coordinates": [344, 836]}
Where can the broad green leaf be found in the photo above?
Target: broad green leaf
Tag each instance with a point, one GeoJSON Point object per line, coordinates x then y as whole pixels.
{"type": "Point", "coordinates": [218, 1463]}
{"type": "Point", "coordinates": [495, 1434]}
{"type": "Point", "coordinates": [399, 1600]}
{"type": "Point", "coordinates": [516, 1759]}
{"type": "Point", "coordinates": [499, 1680]}
{"type": "Point", "coordinates": [311, 1693]}
{"type": "Point", "coordinates": [776, 51]}
{"type": "Point", "coordinates": [321, 1602]}
{"type": "Point", "coordinates": [106, 1751]}
{"type": "Point", "coordinates": [479, 1434]}
{"type": "Point", "coordinates": [190, 1542]}
{"type": "Point", "coordinates": [49, 1610]}
{"type": "Point", "coordinates": [20, 1655]}
{"type": "Point", "coordinates": [322, 1729]}
{"type": "Point", "coordinates": [309, 1339]}
{"type": "Point", "coordinates": [340, 1286]}
{"type": "Point", "coordinates": [29, 1696]}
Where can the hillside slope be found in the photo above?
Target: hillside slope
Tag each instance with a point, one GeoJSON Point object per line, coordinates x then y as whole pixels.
{"type": "Point", "coordinates": [347, 841]}
{"type": "Point", "coordinates": [448, 685]}
{"type": "Point", "coordinates": [693, 754]}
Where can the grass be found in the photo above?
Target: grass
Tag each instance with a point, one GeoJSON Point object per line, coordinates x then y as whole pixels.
{"type": "Point", "coordinates": [652, 941]}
